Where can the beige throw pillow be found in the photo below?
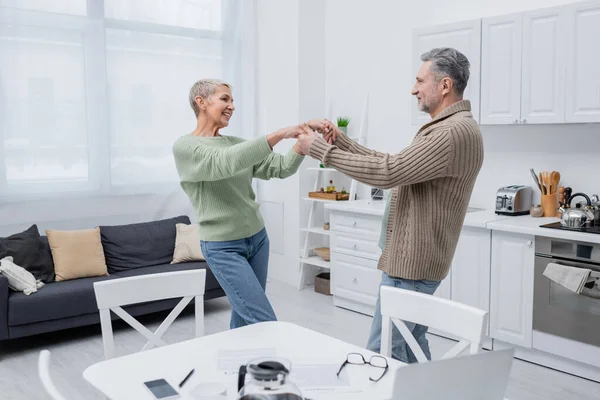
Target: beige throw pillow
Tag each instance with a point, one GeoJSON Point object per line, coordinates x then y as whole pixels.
{"type": "Point", "coordinates": [77, 254]}
{"type": "Point", "coordinates": [187, 244]}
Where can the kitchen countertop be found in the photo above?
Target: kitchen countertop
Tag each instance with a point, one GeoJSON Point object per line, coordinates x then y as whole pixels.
{"type": "Point", "coordinates": [370, 207]}
{"type": "Point", "coordinates": [531, 226]}
{"type": "Point", "coordinates": [476, 217]}
{"type": "Point", "coordinates": [480, 218]}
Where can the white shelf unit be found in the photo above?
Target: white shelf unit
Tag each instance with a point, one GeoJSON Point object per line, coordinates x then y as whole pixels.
{"type": "Point", "coordinates": [318, 200]}
{"type": "Point", "coordinates": [316, 261]}
{"type": "Point", "coordinates": [311, 264]}
{"type": "Point", "coordinates": [319, 231]}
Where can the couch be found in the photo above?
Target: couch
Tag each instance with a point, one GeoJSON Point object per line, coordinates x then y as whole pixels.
{"type": "Point", "coordinates": [130, 250]}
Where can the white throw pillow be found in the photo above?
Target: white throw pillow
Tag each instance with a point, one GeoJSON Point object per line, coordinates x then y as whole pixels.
{"type": "Point", "coordinates": [19, 278]}
{"type": "Point", "coordinates": [187, 244]}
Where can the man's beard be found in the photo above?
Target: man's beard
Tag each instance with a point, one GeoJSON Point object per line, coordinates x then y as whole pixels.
{"type": "Point", "coordinates": [427, 106]}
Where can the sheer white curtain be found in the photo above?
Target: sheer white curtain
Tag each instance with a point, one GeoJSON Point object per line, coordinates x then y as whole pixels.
{"type": "Point", "coordinates": [93, 93]}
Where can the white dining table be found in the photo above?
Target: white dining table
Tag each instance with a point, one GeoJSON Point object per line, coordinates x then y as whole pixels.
{"type": "Point", "coordinates": [122, 378]}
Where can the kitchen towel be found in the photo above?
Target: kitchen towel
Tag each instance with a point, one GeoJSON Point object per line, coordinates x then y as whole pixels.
{"type": "Point", "coordinates": [570, 277]}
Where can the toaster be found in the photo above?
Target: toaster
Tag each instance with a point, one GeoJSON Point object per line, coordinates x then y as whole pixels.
{"type": "Point", "coordinates": [513, 200]}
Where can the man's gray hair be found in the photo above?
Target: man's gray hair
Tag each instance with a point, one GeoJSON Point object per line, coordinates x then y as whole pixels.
{"type": "Point", "coordinates": [204, 88]}
{"type": "Point", "coordinates": [446, 61]}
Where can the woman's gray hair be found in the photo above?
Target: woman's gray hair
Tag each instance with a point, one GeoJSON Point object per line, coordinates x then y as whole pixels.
{"type": "Point", "coordinates": [446, 61]}
{"type": "Point", "coordinates": [204, 88]}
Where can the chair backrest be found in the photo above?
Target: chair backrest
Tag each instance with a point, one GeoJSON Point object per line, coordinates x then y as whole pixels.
{"type": "Point", "coordinates": [483, 376]}
{"type": "Point", "coordinates": [460, 320]}
{"type": "Point", "coordinates": [112, 294]}
{"type": "Point", "coordinates": [44, 373]}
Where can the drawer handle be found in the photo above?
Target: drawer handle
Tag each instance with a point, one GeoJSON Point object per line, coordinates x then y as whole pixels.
{"type": "Point", "coordinates": [354, 280]}
{"type": "Point", "coordinates": [354, 246]}
{"type": "Point", "coordinates": [354, 223]}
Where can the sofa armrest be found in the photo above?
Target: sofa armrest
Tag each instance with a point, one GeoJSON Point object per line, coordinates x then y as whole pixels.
{"type": "Point", "coordinates": [3, 307]}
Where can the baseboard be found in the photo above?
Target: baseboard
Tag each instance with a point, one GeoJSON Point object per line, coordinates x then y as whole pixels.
{"type": "Point", "coordinates": [353, 306]}
{"type": "Point", "coordinates": [552, 361]}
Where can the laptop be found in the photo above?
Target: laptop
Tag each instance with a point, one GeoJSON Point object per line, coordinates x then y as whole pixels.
{"type": "Point", "coordinates": [483, 376]}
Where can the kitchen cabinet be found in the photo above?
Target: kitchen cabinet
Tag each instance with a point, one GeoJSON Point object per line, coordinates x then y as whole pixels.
{"type": "Point", "coordinates": [583, 79]}
{"type": "Point", "coordinates": [464, 37]}
{"type": "Point", "coordinates": [511, 291]}
{"type": "Point", "coordinates": [523, 73]}
{"type": "Point", "coordinates": [355, 254]}
{"type": "Point", "coordinates": [501, 70]}
{"type": "Point", "coordinates": [544, 67]}
{"type": "Point", "coordinates": [470, 279]}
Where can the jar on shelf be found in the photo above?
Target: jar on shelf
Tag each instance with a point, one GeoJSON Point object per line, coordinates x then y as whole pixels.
{"type": "Point", "coordinates": [536, 211]}
{"type": "Point", "coordinates": [326, 226]}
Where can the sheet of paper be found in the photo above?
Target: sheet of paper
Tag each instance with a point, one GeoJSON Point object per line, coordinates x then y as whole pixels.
{"type": "Point", "coordinates": [230, 361]}
{"type": "Point", "coordinates": [320, 377]}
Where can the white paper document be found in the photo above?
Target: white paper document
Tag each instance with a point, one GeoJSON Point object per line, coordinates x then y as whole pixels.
{"type": "Point", "coordinates": [318, 376]}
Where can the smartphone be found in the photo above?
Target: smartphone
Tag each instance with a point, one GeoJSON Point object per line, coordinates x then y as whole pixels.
{"type": "Point", "coordinates": [162, 390]}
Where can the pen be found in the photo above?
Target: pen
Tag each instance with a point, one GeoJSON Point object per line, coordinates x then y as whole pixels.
{"type": "Point", "coordinates": [186, 378]}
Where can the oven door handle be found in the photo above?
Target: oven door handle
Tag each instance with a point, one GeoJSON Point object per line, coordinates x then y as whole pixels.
{"type": "Point", "coordinates": [593, 293]}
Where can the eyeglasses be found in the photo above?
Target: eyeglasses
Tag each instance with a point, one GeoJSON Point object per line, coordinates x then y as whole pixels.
{"type": "Point", "coordinates": [358, 359]}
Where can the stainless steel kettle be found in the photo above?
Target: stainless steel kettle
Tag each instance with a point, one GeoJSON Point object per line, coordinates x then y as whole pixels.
{"type": "Point", "coordinates": [577, 217]}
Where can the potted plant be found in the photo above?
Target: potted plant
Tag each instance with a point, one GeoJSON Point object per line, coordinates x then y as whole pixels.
{"type": "Point", "coordinates": [342, 123]}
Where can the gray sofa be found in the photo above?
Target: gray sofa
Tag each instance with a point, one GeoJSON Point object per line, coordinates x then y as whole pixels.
{"type": "Point", "coordinates": [130, 250]}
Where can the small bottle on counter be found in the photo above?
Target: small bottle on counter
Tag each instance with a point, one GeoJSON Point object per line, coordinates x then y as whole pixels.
{"type": "Point", "coordinates": [536, 211]}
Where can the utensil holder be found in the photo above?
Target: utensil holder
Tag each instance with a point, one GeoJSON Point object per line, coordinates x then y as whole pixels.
{"type": "Point", "coordinates": [549, 204]}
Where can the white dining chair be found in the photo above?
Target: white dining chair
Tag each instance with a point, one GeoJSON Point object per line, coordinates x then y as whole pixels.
{"type": "Point", "coordinates": [112, 294]}
{"type": "Point", "coordinates": [44, 373]}
{"type": "Point", "coordinates": [462, 321]}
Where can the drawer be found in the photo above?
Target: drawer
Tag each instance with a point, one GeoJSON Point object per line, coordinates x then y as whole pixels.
{"type": "Point", "coordinates": [354, 278]}
{"type": "Point", "coordinates": [366, 247]}
{"type": "Point", "coordinates": [358, 224]}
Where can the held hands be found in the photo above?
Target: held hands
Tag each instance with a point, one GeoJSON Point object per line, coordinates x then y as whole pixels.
{"type": "Point", "coordinates": [329, 131]}
{"type": "Point", "coordinates": [305, 140]}
{"type": "Point", "coordinates": [305, 133]}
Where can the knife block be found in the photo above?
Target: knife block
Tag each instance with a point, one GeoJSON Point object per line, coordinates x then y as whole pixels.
{"type": "Point", "coordinates": [549, 204]}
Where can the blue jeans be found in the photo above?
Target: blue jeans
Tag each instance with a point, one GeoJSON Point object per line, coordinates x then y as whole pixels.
{"type": "Point", "coordinates": [240, 267]}
{"type": "Point", "coordinates": [400, 350]}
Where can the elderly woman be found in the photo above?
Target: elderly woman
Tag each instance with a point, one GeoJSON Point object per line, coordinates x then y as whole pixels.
{"type": "Point", "coordinates": [216, 173]}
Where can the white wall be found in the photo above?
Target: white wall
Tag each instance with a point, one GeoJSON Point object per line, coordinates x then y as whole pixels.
{"type": "Point", "coordinates": [369, 47]}
{"type": "Point", "coordinates": [291, 89]}
{"type": "Point", "coordinates": [277, 87]}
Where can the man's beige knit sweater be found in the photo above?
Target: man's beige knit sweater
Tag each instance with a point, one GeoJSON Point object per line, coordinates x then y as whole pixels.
{"type": "Point", "coordinates": [432, 181]}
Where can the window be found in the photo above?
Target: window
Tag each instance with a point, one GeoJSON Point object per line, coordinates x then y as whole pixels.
{"type": "Point", "coordinates": [94, 93]}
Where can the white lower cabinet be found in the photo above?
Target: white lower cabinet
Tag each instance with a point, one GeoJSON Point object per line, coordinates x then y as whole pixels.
{"type": "Point", "coordinates": [511, 301]}
{"type": "Point", "coordinates": [468, 280]}
{"type": "Point", "coordinates": [354, 282]}
{"type": "Point", "coordinates": [354, 256]}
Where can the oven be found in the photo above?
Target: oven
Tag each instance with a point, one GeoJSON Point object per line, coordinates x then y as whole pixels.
{"type": "Point", "coordinates": [559, 311]}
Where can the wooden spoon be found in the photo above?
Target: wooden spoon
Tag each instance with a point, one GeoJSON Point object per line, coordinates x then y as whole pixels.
{"type": "Point", "coordinates": [555, 177]}
{"type": "Point", "coordinates": [542, 183]}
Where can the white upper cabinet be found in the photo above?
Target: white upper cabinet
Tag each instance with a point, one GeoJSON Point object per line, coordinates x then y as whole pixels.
{"type": "Point", "coordinates": [544, 66]}
{"type": "Point", "coordinates": [523, 70]}
{"type": "Point", "coordinates": [501, 70]}
{"type": "Point", "coordinates": [537, 67]}
{"type": "Point", "coordinates": [464, 37]}
{"type": "Point", "coordinates": [583, 68]}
